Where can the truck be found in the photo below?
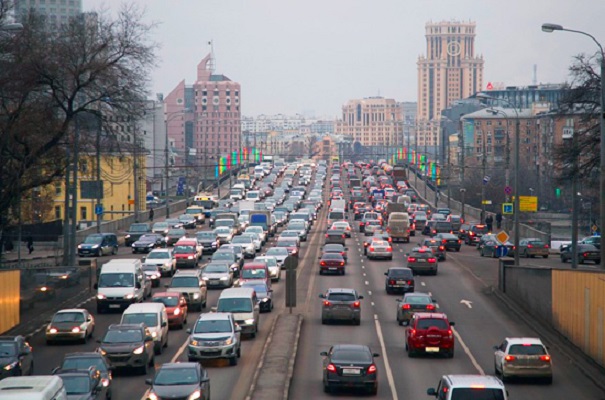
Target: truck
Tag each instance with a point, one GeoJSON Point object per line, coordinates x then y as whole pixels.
{"type": "Point", "coordinates": [396, 207]}
{"type": "Point", "coordinates": [245, 205]}
{"type": "Point", "coordinates": [338, 204]}
{"type": "Point", "coordinates": [262, 219]}
{"type": "Point", "coordinates": [399, 173]}
{"type": "Point", "coordinates": [398, 225]}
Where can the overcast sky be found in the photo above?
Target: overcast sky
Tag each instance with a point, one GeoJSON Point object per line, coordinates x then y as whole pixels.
{"type": "Point", "coordinates": [311, 56]}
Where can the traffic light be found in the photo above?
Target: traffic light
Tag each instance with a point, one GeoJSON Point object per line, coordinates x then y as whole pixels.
{"type": "Point", "coordinates": [558, 193]}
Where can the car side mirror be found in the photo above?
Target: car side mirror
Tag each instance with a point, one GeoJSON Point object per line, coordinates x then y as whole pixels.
{"type": "Point", "coordinates": [496, 348]}
{"type": "Point", "coordinates": [96, 286]}
{"type": "Point", "coordinates": [205, 379]}
{"type": "Point", "coordinates": [164, 324]}
{"type": "Point", "coordinates": [386, 274]}
{"type": "Point", "coordinates": [324, 353]}
{"type": "Point", "coordinates": [434, 300]}
{"type": "Point", "coordinates": [55, 370]}
{"type": "Point", "coordinates": [188, 330]}
{"type": "Point", "coordinates": [98, 340]}
{"type": "Point", "coordinates": [360, 297]}
{"type": "Point", "coordinates": [376, 355]}
{"type": "Point", "coordinates": [148, 338]}
{"type": "Point", "coordinates": [431, 392]}
{"type": "Point", "coordinates": [143, 259]}
{"type": "Point", "coordinates": [322, 296]}
{"type": "Point", "coordinates": [148, 381]}
{"type": "Point", "coordinates": [137, 285]}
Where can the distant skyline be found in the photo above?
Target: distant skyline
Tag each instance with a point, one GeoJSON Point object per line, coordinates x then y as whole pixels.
{"type": "Point", "coordinates": [315, 55]}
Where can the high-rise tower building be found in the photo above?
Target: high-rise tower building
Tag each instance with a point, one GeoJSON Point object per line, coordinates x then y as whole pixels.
{"type": "Point", "coordinates": [57, 12]}
{"type": "Point", "coordinates": [449, 71]}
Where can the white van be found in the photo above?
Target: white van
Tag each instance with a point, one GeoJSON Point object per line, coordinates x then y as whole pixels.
{"type": "Point", "coordinates": [243, 304]}
{"type": "Point", "coordinates": [120, 284]}
{"type": "Point", "coordinates": [253, 195]}
{"type": "Point", "coordinates": [154, 316]}
{"type": "Point", "coordinates": [32, 388]}
{"type": "Point", "coordinates": [259, 172]}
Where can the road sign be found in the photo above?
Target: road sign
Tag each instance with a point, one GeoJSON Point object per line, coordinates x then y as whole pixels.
{"type": "Point", "coordinates": [508, 190]}
{"type": "Point", "coordinates": [502, 237]}
{"type": "Point", "coordinates": [528, 203]}
{"type": "Point", "coordinates": [507, 208]}
{"type": "Point", "coordinates": [486, 179]}
{"type": "Point", "coordinates": [99, 209]}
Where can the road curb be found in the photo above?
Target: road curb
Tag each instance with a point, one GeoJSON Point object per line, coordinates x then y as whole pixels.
{"type": "Point", "coordinates": [293, 358]}
{"type": "Point", "coordinates": [593, 371]}
{"type": "Point", "coordinates": [262, 360]}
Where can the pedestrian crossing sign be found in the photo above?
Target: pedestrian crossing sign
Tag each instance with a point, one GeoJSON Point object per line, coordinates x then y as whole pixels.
{"type": "Point", "coordinates": [507, 208]}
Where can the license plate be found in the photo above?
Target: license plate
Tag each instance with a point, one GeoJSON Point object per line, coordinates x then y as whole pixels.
{"type": "Point", "coordinates": [351, 371]}
{"type": "Point", "coordinates": [401, 282]}
{"type": "Point", "coordinates": [432, 349]}
{"type": "Point", "coordinates": [420, 261]}
{"type": "Point", "coordinates": [332, 269]}
{"type": "Point", "coordinates": [212, 282]}
{"type": "Point", "coordinates": [114, 306]}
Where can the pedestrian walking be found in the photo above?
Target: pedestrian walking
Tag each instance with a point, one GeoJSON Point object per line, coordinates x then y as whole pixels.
{"type": "Point", "coordinates": [489, 221]}
{"type": "Point", "coordinates": [30, 244]}
{"type": "Point", "coordinates": [151, 214]}
{"type": "Point", "coordinates": [499, 220]}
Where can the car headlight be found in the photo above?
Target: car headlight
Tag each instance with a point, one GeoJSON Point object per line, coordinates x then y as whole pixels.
{"type": "Point", "coordinates": [195, 395]}
{"type": "Point", "coordinates": [150, 244]}
{"type": "Point", "coordinates": [228, 341]}
{"type": "Point", "coordinates": [193, 342]}
{"type": "Point", "coordinates": [154, 334]}
{"type": "Point", "coordinates": [133, 245]}
{"type": "Point", "coordinates": [139, 350]}
{"type": "Point", "coordinates": [10, 366]}
{"type": "Point", "coordinates": [79, 246]}
{"type": "Point", "coordinates": [96, 246]}
{"type": "Point", "coordinates": [52, 330]}
{"type": "Point", "coordinates": [196, 296]}
{"type": "Point", "coordinates": [205, 278]}
{"type": "Point", "coordinates": [127, 237]}
{"type": "Point", "coordinates": [103, 352]}
{"type": "Point", "coordinates": [152, 396]}
{"type": "Point", "coordinates": [101, 296]}
{"type": "Point", "coordinates": [266, 299]}
{"type": "Point", "coordinates": [129, 296]}
{"type": "Point", "coordinates": [190, 257]}
{"type": "Point", "coordinates": [75, 329]}
{"type": "Point", "coordinates": [213, 243]}
{"type": "Point", "coordinates": [249, 321]}
{"type": "Point", "coordinates": [224, 278]}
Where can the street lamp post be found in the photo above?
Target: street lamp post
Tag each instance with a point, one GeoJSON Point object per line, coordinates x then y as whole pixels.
{"type": "Point", "coordinates": [169, 117]}
{"type": "Point", "coordinates": [554, 27]}
{"type": "Point", "coordinates": [462, 192]}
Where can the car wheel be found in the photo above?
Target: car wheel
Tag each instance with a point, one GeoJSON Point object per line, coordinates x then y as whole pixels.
{"type": "Point", "coordinates": [357, 321]}
{"type": "Point", "coordinates": [400, 322]}
{"type": "Point", "coordinates": [49, 342]}
{"type": "Point", "coordinates": [239, 352]}
{"type": "Point", "coordinates": [525, 254]}
{"type": "Point", "coordinates": [546, 256]}
{"type": "Point", "coordinates": [327, 388]}
{"type": "Point", "coordinates": [482, 253]}
{"type": "Point", "coordinates": [548, 380]}
{"type": "Point", "coordinates": [411, 353]}
{"type": "Point", "coordinates": [233, 361]}
{"type": "Point", "coordinates": [143, 369]}
{"type": "Point", "coordinates": [450, 353]}
{"type": "Point", "coordinates": [373, 391]}
{"type": "Point", "coordinates": [324, 321]}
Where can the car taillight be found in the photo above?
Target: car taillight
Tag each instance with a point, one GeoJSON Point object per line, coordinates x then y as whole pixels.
{"type": "Point", "coordinates": [356, 304]}
{"type": "Point", "coordinates": [585, 255]}
{"type": "Point", "coordinates": [509, 358]}
{"type": "Point", "coordinates": [391, 281]}
{"type": "Point", "coordinates": [390, 240]}
{"type": "Point", "coordinates": [323, 263]}
{"type": "Point", "coordinates": [529, 246]}
{"type": "Point", "coordinates": [327, 235]}
{"type": "Point", "coordinates": [432, 260]}
{"type": "Point", "coordinates": [390, 249]}
{"type": "Point", "coordinates": [430, 307]}
{"type": "Point", "coordinates": [405, 307]}
{"type": "Point", "coordinates": [546, 246]}
{"type": "Point", "coordinates": [371, 248]}
{"type": "Point", "coordinates": [342, 253]}
{"type": "Point", "coordinates": [327, 303]}
{"type": "Point", "coordinates": [410, 282]}
{"type": "Point", "coordinates": [471, 234]}
{"type": "Point", "coordinates": [331, 368]}
{"type": "Point", "coordinates": [450, 334]}
{"type": "Point", "coordinates": [545, 358]}
{"type": "Point", "coordinates": [459, 241]}
{"type": "Point", "coordinates": [343, 236]}
{"type": "Point", "coordinates": [412, 332]}
{"type": "Point", "coordinates": [441, 248]}
{"type": "Point", "coordinates": [342, 263]}
{"type": "Point", "coordinates": [444, 241]}
{"type": "Point", "coordinates": [411, 259]}
{"type": "Point", "coordinates": [372, 369]}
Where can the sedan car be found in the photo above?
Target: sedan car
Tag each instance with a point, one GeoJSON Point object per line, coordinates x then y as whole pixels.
{"type": "Point", "coordinates": [586, 252]}
{"type": "Point", "coordinates": [161, 228]}
{"type": "Point", "coordinates": [372, 226]}
{"type": "Point", "coordinates": [422, 259]}
{"type": "Point", "coordinates": [379, 249]}
{"type": "Point", "coordinates": [449, 241]}
{"type": "Point", "coordinates": [218, 274]}
{"type": "Point", "coordinates": [272, 265]}
{"type": "Point", "coordinates": [162, 258]}
{"type": "Point", "coordinates": [280, 254]}
{"type": "Point", "coordinates": [411, 303]}
{"type": "Point", "coordinates": [350, 365]}
{"type": "Point", "coordinates": [188, 221]}
{"type": "Point", "coordinates": [341, 304]}
{"type": "Point", "coordinates": [74, 324]}
{"type": "Point", "coordinates": [174, 235]}
{"type": "Point", "coordinates": [437, 247]}
{"type": "Point", "coordinates": [399, 279]}
{"type": "Point", "coordinates": [533, 247]}
{"type": "Point", "coordinates": [290, 244]}
{"type": "Point", "coordinates": [176, 307]}
{"type": "Point", "coordinates": [336, 248]}
{"type": "Point", "coordinates": [148, 242]}
{"type": "Point", "coordinates": [182, 380]}
{"type": "Point", "coordinates": [17, 357]}
{"type": "Point", "coordinates": [331, 263]}
{"type": "Point", "coordinates": [522, 358]}
{"type": "Point", "coordinates": [344, 226]}
{"type": "Point", "coordinates": [229, 257]}
{"type": "Point", "coordinates": [492, 248]}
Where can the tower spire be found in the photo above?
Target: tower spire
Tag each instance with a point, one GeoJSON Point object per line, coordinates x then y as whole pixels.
{"type": "Point", "coordinates": [212, 63]}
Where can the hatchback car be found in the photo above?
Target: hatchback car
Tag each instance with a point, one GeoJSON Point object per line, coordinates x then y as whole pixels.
{"type": "Point", "coordinates": [272, 265]}
{"type": "Point", "coordinates": [84, 361]}
{"type": "Point", "coordinates": [148, 242]}
{"type": "Point", "coordinates": [264, 295]}
{"type": "Point", "coordinates": [218, 274]}
{"type": "Point", "coordinates": [379, 249]}
{"type": "Point", "coordinates": [422, 260]}
{"type": "Point", "coordinates": [17, 357]}
{"type": "Point", "coordinates": [280, 254]}
{"type": "Point", "coordinates": [176, 307]}
{"type": "Point", "coordinates": [449, 241]}
{"type": "Point", "coordinates": [437, 247]}
{"type": "Point", "coordinates": [350, 365]}
{"type": "Point", "coordinates": [399, 279]}
{"type": "Point", "coordinates": [344, 226]}
{"type": "Point", "coordinates": [474, 233]}
{"type": "Point", "coordinates": [341, 304]}
{"type": "Point", "coordinates": [533, 247]}
{"type": "Point", "coordinates": [162, 258]}
{"type": "Point", "coordinates": [586, 252]}
{"type": "Point", "coordinates": [411, 303]}
{"type": "Point", "coordinates": [372, 226]}
{"type": "Point", "coordinates": [74, 324]}
{"type": "Point", "coordinates": [522, 358]}
{"type": "Point", "coordinates": [128, 346]}
{"type": "Point", "coordinates": [215, 335]}
{"type": "Point", "coordinates": [336, 248]}
{"type": "Point", "coordinates": [331, 263]}
{"type": "Point", "coordinates": [183, 380]}
{"type": "Point", "coordinates": [429, 333]}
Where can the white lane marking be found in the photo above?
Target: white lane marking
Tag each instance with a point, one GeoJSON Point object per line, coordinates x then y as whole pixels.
{"type": "Point", "coordinates": [372, 304]}
{"type": "Point", "coordinates": [367, 283]}
{"type": "Point", "coordinates": [467, 302]}
{"type": "Point", "coordinates": [369, 292]}
{"type": "Point", "coordinates": [363, 267]}
{"type": "Point", "coordinates": [386, 358]}
{"type": "Point", "coordinates": [364, 274]}
{"type": "Point", "coordinates": [401, 250]}
{"type": "Point", "coordinates": [468, 352]}
{"type": "Point", "coordinates": [422, 284]}
{"type": "Point", "coordinates": [430, 294]}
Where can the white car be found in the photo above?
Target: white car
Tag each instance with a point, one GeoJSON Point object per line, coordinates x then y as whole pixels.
{"type": "Point", "coordinates": [258, 243]}
{"type": "Point", "coordinates": [247, 245]}
{"type": "Point", "coordinates": [258, 230]}
{"type": "Point", "coordinates": [163, 258]}
{"type": "Point", "coordinates": [272, 265]}
{"type": "Point", "coordinates": [224, 233]}
{"type": "Point", "coordinates": [522, 358]}
{"type": "Point", "coordinates": [70, 324]}
{"type": "Point", "coordinates": [280, 254]}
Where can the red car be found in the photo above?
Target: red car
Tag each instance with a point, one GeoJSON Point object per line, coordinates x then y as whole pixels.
{"type": "Point", "coordinates": [176, 307]}
{"type": "Point", "coordinates": [331, 263]}
{"type": "Point", "coordinates": [429, 333]}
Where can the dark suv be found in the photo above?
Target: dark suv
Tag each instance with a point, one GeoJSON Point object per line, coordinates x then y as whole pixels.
{"type": "Point", "coordinates": [83, 383]}
{"type": "Point", "coordinates": [16, 357]}
{"type": "Point", "coordinates": [399, 279]}
{"type": "Point", "coordinates": [85, 360]}
{"type": "Point", "coordinates": [474, 233]}
{"type": "Point", "coordinates": [128, 346]}
{"type": "Point", "coordinates": [429, 333]}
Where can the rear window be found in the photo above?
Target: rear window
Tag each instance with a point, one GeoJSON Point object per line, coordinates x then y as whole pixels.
{"type": "Point", "coordinates": [336, 215]}
{"type": "Point", "coordinates": [351, 356]}
{"type": "Point", "coordinates": [438, 323]}
{"type": "Point", "coordinates": [479, 229]}
{"type": "Point", "coordinates": [477, 394]}
{"type": "Point", "coordinates": [444, 225]}
{"type": "Point", "coordinates": [417, 300]}
{"type": "Point", "coordinates": [527, 350]}
{"type": "Point", "coordinates": [400, 273]}
{"type": "Point", "coordinates": [341, 297]}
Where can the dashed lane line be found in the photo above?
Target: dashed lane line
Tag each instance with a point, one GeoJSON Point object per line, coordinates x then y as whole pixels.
{"type": "Point", "coordinates": [386, 358]}
{"type": "Point", "coordinates": [468, 352]}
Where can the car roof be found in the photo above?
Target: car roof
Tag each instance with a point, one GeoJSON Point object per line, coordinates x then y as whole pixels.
{"type": "Point", "coordinates": [524, 340]}
{"type": "Point", "coordinates": [358, 347]}
{"type": "Point", "coordinates": [166, 294]}
{"type": "Point", "coordinates": [400, 268]}
{"type": "Point", "coordinates": [433, 315]}
{"type": "Point", "coordinates": [66, 310]}
{"type": "Point", "coordinates": [214, 316]}
{"type": "Point", "coordinates": [340, 290]}
{"type": "Point", "coordinates": [182, 272]}
{"type": "Point", "coordinates": [236, 292]}
{"type": "Point", "coordinates": [473, 381]}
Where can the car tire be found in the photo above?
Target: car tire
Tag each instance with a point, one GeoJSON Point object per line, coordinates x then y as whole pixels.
{"type": "Point", "coordinates": [357, 321]}
{"type": "Point", "coordinates": [450, 353]}
{"type": "Point", "coordinates": [324, 321]}
{"type": "Point", "coordinates": [548, 380]}
{"type": "Point", "coordinates": [31, 368]}
{"type": "Point", "coordinates": [546, 256]}
{"type": "Point", "coordinates": [327, 389]}
{"type": "Point", "coordinates": [411, 353]}
{"type": "Point", "coordinates": [373, 391]}
{"type": "Point", "coordinates": [400, 322]}
{"type": "Point", "coordinates": [239, 352]}
{"type": "Point", "coordinates": [143, 369]}
{"type": "Point", "coordinates": [50, 342]}
{"type": "Point", "coordinates": [233, 361]}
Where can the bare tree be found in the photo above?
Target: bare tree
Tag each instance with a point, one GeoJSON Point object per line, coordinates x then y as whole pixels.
{"type": "Point", "coordinates": [50, 77]}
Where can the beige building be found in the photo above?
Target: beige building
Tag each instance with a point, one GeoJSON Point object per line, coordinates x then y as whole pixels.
{"type": "Point", "coordinates": [372, 121]}
{"type": "Point", "coordinates": [449, 71]}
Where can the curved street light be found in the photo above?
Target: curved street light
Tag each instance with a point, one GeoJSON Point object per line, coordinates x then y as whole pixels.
{"type": "Point", "coordinates": [549, 28]}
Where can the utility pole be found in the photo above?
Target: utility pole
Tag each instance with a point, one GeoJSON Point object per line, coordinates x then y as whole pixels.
{"type": "Point", "coordinates": [135, 171]}
{"type": "Point", "coordinates": [66, 213]}
{"type": "Point", "coordinates": [99, 184]}
{"type": "Point", "coordinates": [74, 198]}
{"type": "Point", "coordinates": [574, 202]}
{"type": "Point", "coordinates": [166, 173]}
{"type": "Point", "coordinates": [484, 171]}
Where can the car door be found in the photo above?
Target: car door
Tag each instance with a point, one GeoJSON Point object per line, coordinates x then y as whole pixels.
{"type": "Point", "coordinates": [499, 354]}
{"type": "Point", "coordinates": [26, 357]}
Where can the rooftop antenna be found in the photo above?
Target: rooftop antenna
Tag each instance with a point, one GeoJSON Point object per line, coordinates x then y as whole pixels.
{"type": "Point", "coordinates": [535, 79]}
{"type": "Point", "coordinates": [212, 62]}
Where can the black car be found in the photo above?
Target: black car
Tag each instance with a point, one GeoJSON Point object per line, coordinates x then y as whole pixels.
{"type": "Point", "coordinates": [16, 357]}
{"type": "Point", "coordinates": [439, 227]}
{"type": "Point", "coordinates": [412, 194]}
{"type": "Point", "coordinates": [85, 360]}
{"type": "Point", "coordinates": [350, 366]}
{"type": "Point", "coordinates": [263, 293]}
{"type": "Point", "coordinates": [208, 241]}
{"type": "Point", "coordinates": [399, 279]}
{"type": "Point", "coordinates": [148, 242]}
{"type": "Point", "coordinates": [586, 252]}
{"type": "Point", "coordinates": [182, 380]}
{"type": "Point", "coordinates": [128, 346]}
{"type": "Point", "coordinates": [474, 234]}
{"type": "Point", "coordinates": [83, 384]}
{"type": "Point", "coordinates": [449, 240]}
{"type": "Point", "coordinates": [188, 221]}
{"type": "Point", "coordinates": [335, 248]}
{"type": "Point", "coordinates": [135, 231]}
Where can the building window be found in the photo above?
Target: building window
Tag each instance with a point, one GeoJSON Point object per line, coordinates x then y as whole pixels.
{"type": "Point", "coordinates": [83, 214]}
{"type": "Point", "coordinates": [57, 212]}
{"type": "Point", "coordinates": [58, 187]}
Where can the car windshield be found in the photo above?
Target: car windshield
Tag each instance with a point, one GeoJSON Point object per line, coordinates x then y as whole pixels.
{"type": "Point", "coordinates": [270, 261]}
{"type": "Point", "coordinates": [417, 299]}
{"type": "Point", "coordinates": [333, 248]}
{"type": "Point", "coordinates": [138, 228]}
{"type": "Point", "coordinates": [84, 363]}
{"type": "Point", "coordinates": [150, 268]}
{"type": "Point", "coordinates": [193, 211]}
{"type": "Point", "coordinates": [341, 297]}
{"type": "Point", "coordinates": [149, 319]}
{"type": "Point", "coordinates": [158, 255]}
{"type": "Point", "coordinates": [400, 273]}
{"type": "Point", "coordinates": [213, 326]}
{"type": "Point", "coordinates": [289, 234]}
{"type": "Point", "coordinates": [8, 349]}
{"type": "Point", "coordinates": [176, 376]}
{"type": "Point", "coordinates": [527, 350]}
{"type": "Point", "coordinates": [331, 256]}
{"type": "Point", "coordinates": [479, 229]}
{"type": "Point", "coordinates": [241, 305]}
{"type": "Point", "coordinates": [176, 232]}
{"type": "Point", "coordinates": [222, 256]}
{"type": "Point", "coordinates": [216, 268]}
{"type": "Point", "coordinates": [123, 336]}
{"type": "Point", "coordinates": [254, 273]}
{"type": "Point", "coordinates": [185, 218]}
{"type": "Point", "coordinates": [536, 242]}
{"type": "Point", "coordinates": [147, 238]}
{"type": "Point", "coordinates": [76, 384]}
{"type": "Point", "coordinates": [160, 225]}
{"type": "Point", "coordinates": [427, 323]}
{"type": "Point", "coordinates": [68, 317]}
{"type": "Point", "coordinates": [93, 239]}
{"type": "Point", "coordinates": [351, 356]}
{"type": "Point", "coordinates": [116, 280]}
{"type": "Point", "coordinates": [185, 281]}
{"type": "Point", "coordinates": [168, 301]}
{"type": "Point", "coordinates": [261, 290]}
{"type": "Point", "coordinates": [184, 249]}
{"type": "Point", "coordinates": [205, 235]}
{"type": "Point", "coordinates": [478, 393]}
{"type": "Point", "coordinates": [222, 230]}
{"type": "Point", "coordinates": [275, 251]}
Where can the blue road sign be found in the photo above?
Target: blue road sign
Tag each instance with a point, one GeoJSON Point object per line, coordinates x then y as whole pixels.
{"type": "Point", "coordinates": [99, 209]}
{"type": "Point", "coordinates": [507, 208]}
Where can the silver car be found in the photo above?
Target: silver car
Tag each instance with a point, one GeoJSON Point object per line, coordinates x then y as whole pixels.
{"type": "Point", "coordinates": [380, 249]}
{"type": "Point", "coordinates": [274, 268]}
{"type": "Point", "coordinates": [163, 258]}
{"type": "Point", "coordinates": [341, 304]}
{"type": "Point", "coordinates": [224, 233]}
{"type": "Point", "coordinates": [247, 244]}
{"type": "Point", "coordinates": [218, 274]}
{"type": "Point", "coordinates": [214, 335]}
{"type": "Point", "coordinates": [522, 358]}
{"type": "Point", "coordinates": [280, 254]}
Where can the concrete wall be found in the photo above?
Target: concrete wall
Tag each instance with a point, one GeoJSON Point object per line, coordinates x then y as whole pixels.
{"type": "Point", "coordinates": [530, 287]}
